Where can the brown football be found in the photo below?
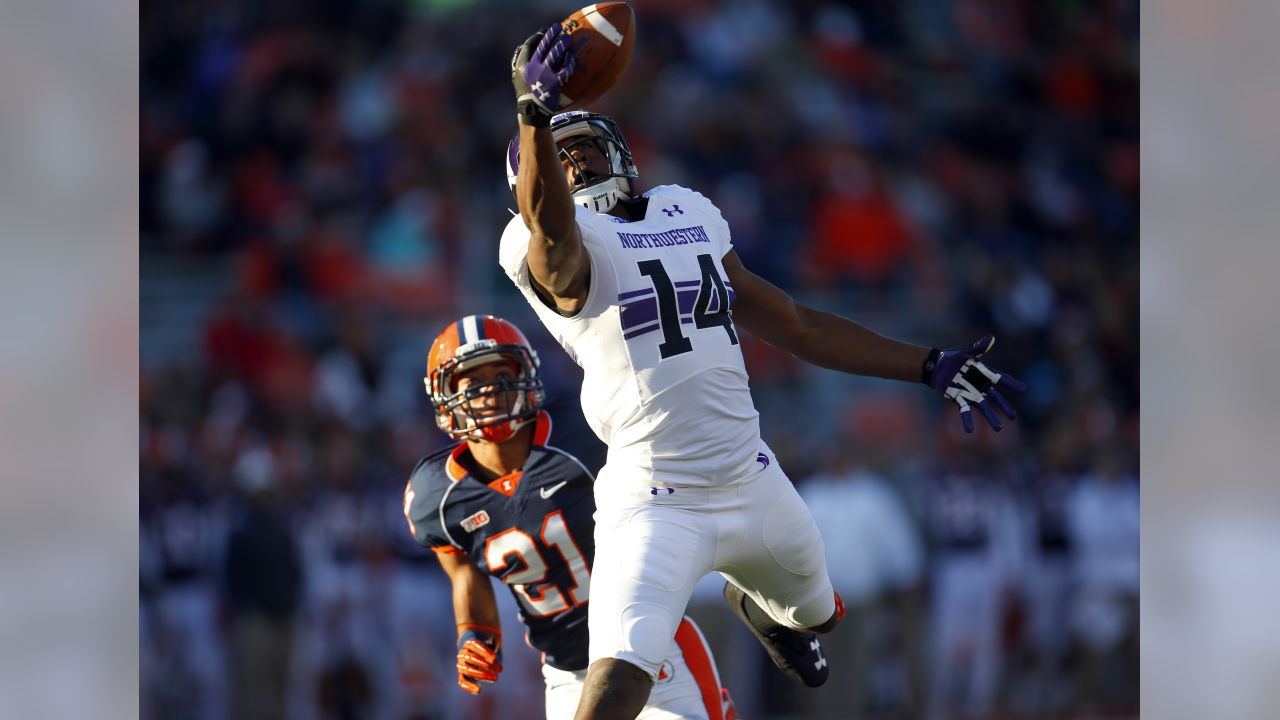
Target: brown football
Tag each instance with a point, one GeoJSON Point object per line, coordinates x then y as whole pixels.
{"type": "Point", "coordinates": [609, 32]}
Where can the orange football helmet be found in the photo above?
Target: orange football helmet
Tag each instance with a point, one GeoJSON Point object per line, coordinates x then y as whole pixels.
{"type": "Point", "coordinates": [476, 340]}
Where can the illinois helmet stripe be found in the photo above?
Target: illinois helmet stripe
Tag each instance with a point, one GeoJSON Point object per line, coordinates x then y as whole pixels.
{"type": "Point", "coordinates": [470, 329]}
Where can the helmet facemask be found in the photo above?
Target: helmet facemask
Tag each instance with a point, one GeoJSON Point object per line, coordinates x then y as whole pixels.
{"type": "Point", "coordinates": [462, 413]}
{"type": "Point", "coordinates": [598, 193]}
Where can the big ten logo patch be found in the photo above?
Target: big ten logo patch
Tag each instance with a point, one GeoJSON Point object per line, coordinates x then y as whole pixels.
{"type": "Point", "coordinates": [476, 521]}
{"type": "Point", "coordinates": [666, 671]}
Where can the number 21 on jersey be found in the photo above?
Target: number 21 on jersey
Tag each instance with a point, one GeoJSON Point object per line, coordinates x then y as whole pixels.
{"type": "Point", "coordinates": [539, 597]}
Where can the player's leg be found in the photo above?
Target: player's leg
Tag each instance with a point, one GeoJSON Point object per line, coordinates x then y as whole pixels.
{"type": "Point", "coordinates": [651, 549]}
{"type": "Point", "coordinates": [797, 652]}
{"type": "Point", "coordinates": [778, 584]}
{"type": "Point", "coordinates": [614, 690]}
{"type": "Point", "coordinates": [688, 683]}
{"type": "Point", "coordinates": [563, 688]}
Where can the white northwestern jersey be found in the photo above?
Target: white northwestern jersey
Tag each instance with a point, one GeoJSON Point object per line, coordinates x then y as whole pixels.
{"type": "Point", "coordinates": [663, 379]}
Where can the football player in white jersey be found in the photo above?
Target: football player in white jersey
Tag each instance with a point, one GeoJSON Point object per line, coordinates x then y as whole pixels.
{"type": "Point", "coordinates": [638, 288]}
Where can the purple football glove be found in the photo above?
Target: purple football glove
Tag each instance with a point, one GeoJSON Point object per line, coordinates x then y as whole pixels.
{"type": "Point", "coordinates": [539, 70]}
{"type": "Point", "coordinates": [957, 375]}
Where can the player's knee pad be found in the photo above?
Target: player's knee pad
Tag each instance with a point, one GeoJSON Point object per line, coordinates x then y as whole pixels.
{"type": "Point", "coordinates": [648, 630]}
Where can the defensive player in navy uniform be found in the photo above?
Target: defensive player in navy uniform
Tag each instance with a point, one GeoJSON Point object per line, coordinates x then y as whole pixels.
{"type": "Point", "coordinates": [508, 502]}
{"type": "Point", "coordinates": [646, 292]}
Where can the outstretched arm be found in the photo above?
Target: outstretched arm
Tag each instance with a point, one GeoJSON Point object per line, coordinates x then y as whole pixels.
{"type": "Point", "coordinates": [821, 338]}
{"type": "Point", "coordinates": [840, 344]}
{"type": "Point", "coordinates": [557, 261]}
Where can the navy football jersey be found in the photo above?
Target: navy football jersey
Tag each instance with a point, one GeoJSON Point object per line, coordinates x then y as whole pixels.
{"type": "Point", "coordinates": [1052, 493]}
{"type": "Point", "coordinates": [531, 529]}
{"type": "Point", "coordinates": [959, 512]}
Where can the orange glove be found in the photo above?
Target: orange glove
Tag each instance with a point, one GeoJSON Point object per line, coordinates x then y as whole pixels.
{"type": "Point", "coordinates": [479, 657]}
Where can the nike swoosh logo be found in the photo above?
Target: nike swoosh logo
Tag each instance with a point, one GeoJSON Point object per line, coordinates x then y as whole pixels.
{"type": "Point", "coordinates": [549, 491]}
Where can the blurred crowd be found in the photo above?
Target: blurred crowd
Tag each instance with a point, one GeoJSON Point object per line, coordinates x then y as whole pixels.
{"type": "Point", "coordinates": [322, 189]}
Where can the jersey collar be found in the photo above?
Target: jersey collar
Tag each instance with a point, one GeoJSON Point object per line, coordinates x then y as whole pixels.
{"type": "Point", "coordinates": [452, 467]}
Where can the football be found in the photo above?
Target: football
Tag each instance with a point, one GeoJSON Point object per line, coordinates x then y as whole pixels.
{"type": "Point", "coordinates": [607, 33]}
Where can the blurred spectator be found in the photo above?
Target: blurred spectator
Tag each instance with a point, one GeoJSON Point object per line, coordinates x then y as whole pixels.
{"type": "Point", "coordinates": [876, 562]}
{"type": "Point", "coordinates": [349, 375]}
{"type": "Point", "coordinates": [264, 584]}
{"type": "Point", "coordinates": [419, 612]}
{"type": "Point", "coordinates": [859, 236]}
{"type": "Point", "coordinates": [1104, 520]}
{"type": "Point", "coordinates": [973, 528]}
{"type": "Point", "coordinates": [339, 660]}
{"type": "Point", "coordinates": [1048, 584]}
{"type": "Point", "coordinates": [190, 200]}
{"type": "Point", "coordinates": [189, 649]}
{"type": "Point", "coordinates": [406, 260]}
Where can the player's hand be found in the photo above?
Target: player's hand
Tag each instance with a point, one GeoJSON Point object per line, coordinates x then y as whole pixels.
{"type": "Point", "coordinates": [958, 376]}
{"type": "Point", "coordinates": [539, 70]}
{"type": "Point", "coordinates": [479, 660]}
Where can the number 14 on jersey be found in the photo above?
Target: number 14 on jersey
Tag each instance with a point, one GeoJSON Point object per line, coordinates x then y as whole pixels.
{"type": "Point", "coordinates": [712, 293]}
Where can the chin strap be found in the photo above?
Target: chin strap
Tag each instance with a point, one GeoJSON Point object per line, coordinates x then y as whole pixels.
{"type": "Point", "coordinates": [503, 431]}
{"type": "Point", "coordinates": [601, 198]}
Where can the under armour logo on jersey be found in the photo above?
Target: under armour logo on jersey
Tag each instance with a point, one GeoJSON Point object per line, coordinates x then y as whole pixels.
{"type": "Point", "coordinates": [672, 212]}
{"type": "Point", "coordinates": [654, 490]}
{"type": "Point", "coordinates": [762, 459]}
{"type": "Point", "coordinates": [822, 660]}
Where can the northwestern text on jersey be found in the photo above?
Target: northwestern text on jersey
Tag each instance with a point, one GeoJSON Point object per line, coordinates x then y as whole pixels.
{"type": "Point", "coordinates": [678, 236]}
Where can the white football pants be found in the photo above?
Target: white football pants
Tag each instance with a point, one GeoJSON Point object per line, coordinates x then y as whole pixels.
{"type": "Point", "coordinates": [654, 543]}
{"type": "Point", "coordinates": [687, 686]}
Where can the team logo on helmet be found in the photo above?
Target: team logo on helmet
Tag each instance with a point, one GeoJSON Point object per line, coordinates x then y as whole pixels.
{"type": "Point", "coordinates": [469, 413]}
